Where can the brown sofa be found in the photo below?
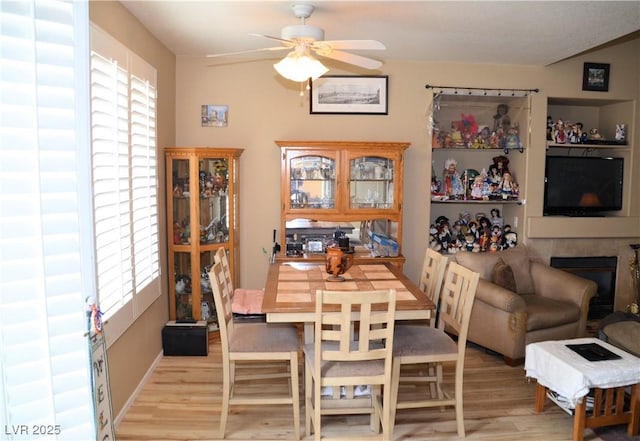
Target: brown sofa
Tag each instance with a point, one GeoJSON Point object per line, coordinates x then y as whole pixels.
{"type": "Point", "coordinates": [546, 304]}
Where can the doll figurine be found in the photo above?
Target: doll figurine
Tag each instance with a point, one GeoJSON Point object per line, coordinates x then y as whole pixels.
{"type": "Point", "coordinates": [560, 133]}
{"type": "Point", "coordinates": [451, 179]}
{"type": "Point", "coordinates": [495, 218]}
{"type": "Point", "coordinates": [501, 119]}
{"type": "Point", "coordinates": [507, 186]}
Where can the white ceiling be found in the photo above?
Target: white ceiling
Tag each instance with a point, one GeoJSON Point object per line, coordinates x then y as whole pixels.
{"type": "Point", "coordinates": [494, 32]}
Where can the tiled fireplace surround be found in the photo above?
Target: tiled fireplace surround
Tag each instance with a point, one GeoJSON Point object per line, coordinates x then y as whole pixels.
{"type": "Point", "coordinates": [544, 249]}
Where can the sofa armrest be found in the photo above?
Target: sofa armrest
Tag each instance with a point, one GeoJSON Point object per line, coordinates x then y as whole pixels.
{"type": "Point", "coordinates": [498, 297]}
{"type": "Point", "coordinates": [561, 285]}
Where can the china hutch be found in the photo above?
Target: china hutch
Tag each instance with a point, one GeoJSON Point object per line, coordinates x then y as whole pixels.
{"type": "Point", "coordinates": [342, 189]}
{"type": "Point", "coordinates": [202, 215]}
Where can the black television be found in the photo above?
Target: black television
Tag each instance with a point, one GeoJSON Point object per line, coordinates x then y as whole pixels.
{"type": "Point", "coordinates": [582, 185]}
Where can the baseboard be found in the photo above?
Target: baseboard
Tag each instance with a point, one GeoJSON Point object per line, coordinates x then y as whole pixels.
{"type": "Point", "coordinates": [137, 390]}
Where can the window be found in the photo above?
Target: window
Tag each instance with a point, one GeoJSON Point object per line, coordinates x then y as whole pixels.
{"type": "Point", "coordinates": [123, 137]}
{"type": "Point", "coordinates": [45, 220]}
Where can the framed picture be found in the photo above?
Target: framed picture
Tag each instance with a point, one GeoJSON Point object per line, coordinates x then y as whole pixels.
{"type": "Point", "coordinates": [212, 115]}
{"type": "Point", "coordinates": [350, 95]}
{"type": "Point", "coordinates": [595, 77]}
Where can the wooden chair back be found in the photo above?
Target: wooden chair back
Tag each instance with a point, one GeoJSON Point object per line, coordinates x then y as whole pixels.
{"type": "Point", "coordinates": [356, 332]}
{"type": "Point", "coordinates": [433, 268]}
{"type": "Point", "coordinates": [222, 298]}
{"type": "Point", "coordinates": [456, 301]}
{"type": "Point", "coordinates": [221, 256]}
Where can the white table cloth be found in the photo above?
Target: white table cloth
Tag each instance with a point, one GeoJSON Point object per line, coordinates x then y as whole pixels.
{"type": "Point", "coordinates": [564, 371]}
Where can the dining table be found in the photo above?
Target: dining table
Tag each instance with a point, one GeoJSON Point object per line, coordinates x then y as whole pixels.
{"type": "Point", "coordinates": [289, 295]}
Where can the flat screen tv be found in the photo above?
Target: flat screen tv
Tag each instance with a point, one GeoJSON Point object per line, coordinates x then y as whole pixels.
{"type": "Point", "coordinates": [582, 185]}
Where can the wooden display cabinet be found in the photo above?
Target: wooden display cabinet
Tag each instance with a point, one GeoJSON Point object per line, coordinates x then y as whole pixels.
{"type": "Point", "coordinates": [202, 184]}
{"type": "Point", "coordinates": [342, 186]}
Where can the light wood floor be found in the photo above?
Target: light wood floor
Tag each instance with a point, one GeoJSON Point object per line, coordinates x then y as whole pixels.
{"type": "Point", "coordinates": [181, 401]}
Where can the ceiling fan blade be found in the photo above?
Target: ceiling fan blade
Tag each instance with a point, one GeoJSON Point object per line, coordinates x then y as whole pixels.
{"type": "Point", "coordinates": [353, 44]}
{"type": "Point", "coordinates": [358, 60]}
{"type": "Point", "coordinates": [277, 48]}
{"type": "Point", "coordinates": [289, 43]}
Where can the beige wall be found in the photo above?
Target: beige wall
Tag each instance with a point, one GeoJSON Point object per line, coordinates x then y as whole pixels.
{"type": "Point", "coordinates": [134, 352]}
{"type": "Point", "coordinates": [263, 107]}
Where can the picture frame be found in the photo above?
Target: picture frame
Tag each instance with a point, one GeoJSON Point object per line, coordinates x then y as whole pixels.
{"type": "Point", "coordinates": [214, 115]}
{"type": "Point", "coordinates": [595, 77]}
{"type": "Point", "coordinates": [350, 94]}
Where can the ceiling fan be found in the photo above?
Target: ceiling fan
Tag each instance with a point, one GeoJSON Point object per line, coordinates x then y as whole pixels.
{"type": "Point", "coordinates": [299, 64]}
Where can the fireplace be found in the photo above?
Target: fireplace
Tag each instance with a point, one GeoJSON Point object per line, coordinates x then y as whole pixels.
{"type": "Point", "coordinates": [600, 269]}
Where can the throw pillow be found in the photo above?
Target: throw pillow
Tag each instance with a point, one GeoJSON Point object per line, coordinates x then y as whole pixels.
{"type": "Point", "coordinates": [502, 275]}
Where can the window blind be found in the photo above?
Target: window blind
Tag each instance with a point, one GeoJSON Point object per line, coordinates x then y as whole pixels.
{"type": "Point", "coordinates": [123, 123]}
{"type": "Point", "coordinates": [45, 219]}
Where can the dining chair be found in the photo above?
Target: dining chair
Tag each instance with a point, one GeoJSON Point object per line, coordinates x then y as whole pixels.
{"type": "Point", "coordinates": [433, 268]}
{"type": "Point", "coordinates": [244, 302]}
{"type": "Point", "coordinates": [353, 342]}
{"type": "Point", "coordinates": [434, 265]}
{"type": "Point", "coordinates": [259, 344]}
{"type": "Point", "coordinates": [417, 345]}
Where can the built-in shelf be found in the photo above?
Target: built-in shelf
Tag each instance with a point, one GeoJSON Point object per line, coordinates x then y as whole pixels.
{"type": "Point", "coordinates": [479, 202]}
{"type": "Point", "coordinates": [563, 227]}
{"type": "Point", "coordinates": [587, 146]}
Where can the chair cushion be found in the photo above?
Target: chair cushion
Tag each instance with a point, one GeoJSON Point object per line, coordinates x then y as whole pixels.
{"type": "Point", "coordinates": [343, 368]}
{"type": "Point", "coordinates": [247, 301]}
{"type": "Point", "coordinates": [502, 275]}
{"type": "Point", "coordinates": [517, 258]}
{"type": "Point", "coordinates": [544, 313]}
{"type": "Point", "coordinates": [264, 337]}
{"type": "Point", "coordinates": [421, 340]}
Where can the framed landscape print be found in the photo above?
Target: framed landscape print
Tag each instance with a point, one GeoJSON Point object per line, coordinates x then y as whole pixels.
{"type": "Point", "coordinates": [350, 94]}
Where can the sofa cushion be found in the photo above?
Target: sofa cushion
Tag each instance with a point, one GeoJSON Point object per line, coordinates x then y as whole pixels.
{"type": "Point", "coordinates": [543, 312]}
{"type": "Point", "coordinates": [502, 275]}
{"type": "Point", "coordinates": [625, 335]}
{"type": "Point", "coordinates": [517, 258]}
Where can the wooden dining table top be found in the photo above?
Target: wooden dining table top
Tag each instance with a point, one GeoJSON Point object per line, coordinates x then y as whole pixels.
{"type": "Point", "coordinates": [291, 287]}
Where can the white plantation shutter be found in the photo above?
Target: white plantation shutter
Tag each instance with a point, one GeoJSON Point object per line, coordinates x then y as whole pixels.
{"type": "Point", "coordinates": [45, 221]}
{"type": "Point", "coordinates": [110, 147]}
{"type": "Point", "coordinates": [144, 181]}
{"type": "Point", "coordinates": [123, 122]}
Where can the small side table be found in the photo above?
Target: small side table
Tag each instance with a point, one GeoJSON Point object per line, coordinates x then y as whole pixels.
{"type": "Point", "coordinates": [558, 368]}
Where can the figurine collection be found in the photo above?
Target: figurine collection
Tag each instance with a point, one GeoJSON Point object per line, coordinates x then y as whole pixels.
{"type": "Point", "coordinates": [567, 132]}
{"type": "Point", "coordinates": [495, 182]}
{"type": "Point", "coordinates": [467, 133]}
{"type": "Point", "coordinates": [477, 235]}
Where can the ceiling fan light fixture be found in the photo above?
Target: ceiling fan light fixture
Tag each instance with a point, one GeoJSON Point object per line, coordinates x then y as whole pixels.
{"type": "Point", "coordinates": [300, 66]}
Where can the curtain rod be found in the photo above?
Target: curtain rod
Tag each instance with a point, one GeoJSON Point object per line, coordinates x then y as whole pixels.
{"type": "Point", "coordinates": [493, 91]}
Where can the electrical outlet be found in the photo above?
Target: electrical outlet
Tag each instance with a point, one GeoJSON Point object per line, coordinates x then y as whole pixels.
{"type": "Point", "coordinates": [515, 221]}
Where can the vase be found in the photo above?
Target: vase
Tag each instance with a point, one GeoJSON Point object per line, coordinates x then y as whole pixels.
{"type": "Point", "coordinates": [338, 262]}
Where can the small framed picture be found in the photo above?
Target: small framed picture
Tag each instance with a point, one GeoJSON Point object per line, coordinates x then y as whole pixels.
{"type": "Point", "coordinates": [350, 95]}
{"type": "Point", "coordinates": [212, 115]}
{"type": "Point", "coordinates": [595, 77]}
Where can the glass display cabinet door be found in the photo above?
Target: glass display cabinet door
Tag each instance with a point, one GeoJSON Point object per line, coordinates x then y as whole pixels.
{"type": "Point", "coordinates": [181, 202]}
{"type": "Point", "coordinates": [207, 306]}
{"type": "Point", "coordinates": [183, 287]}
{"type": "Point", "coordinates": [214, 200]}
{"type": "Point", "coordinates": [371, 182]}
{"type": "Point", "coordinates": [313, 182]}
